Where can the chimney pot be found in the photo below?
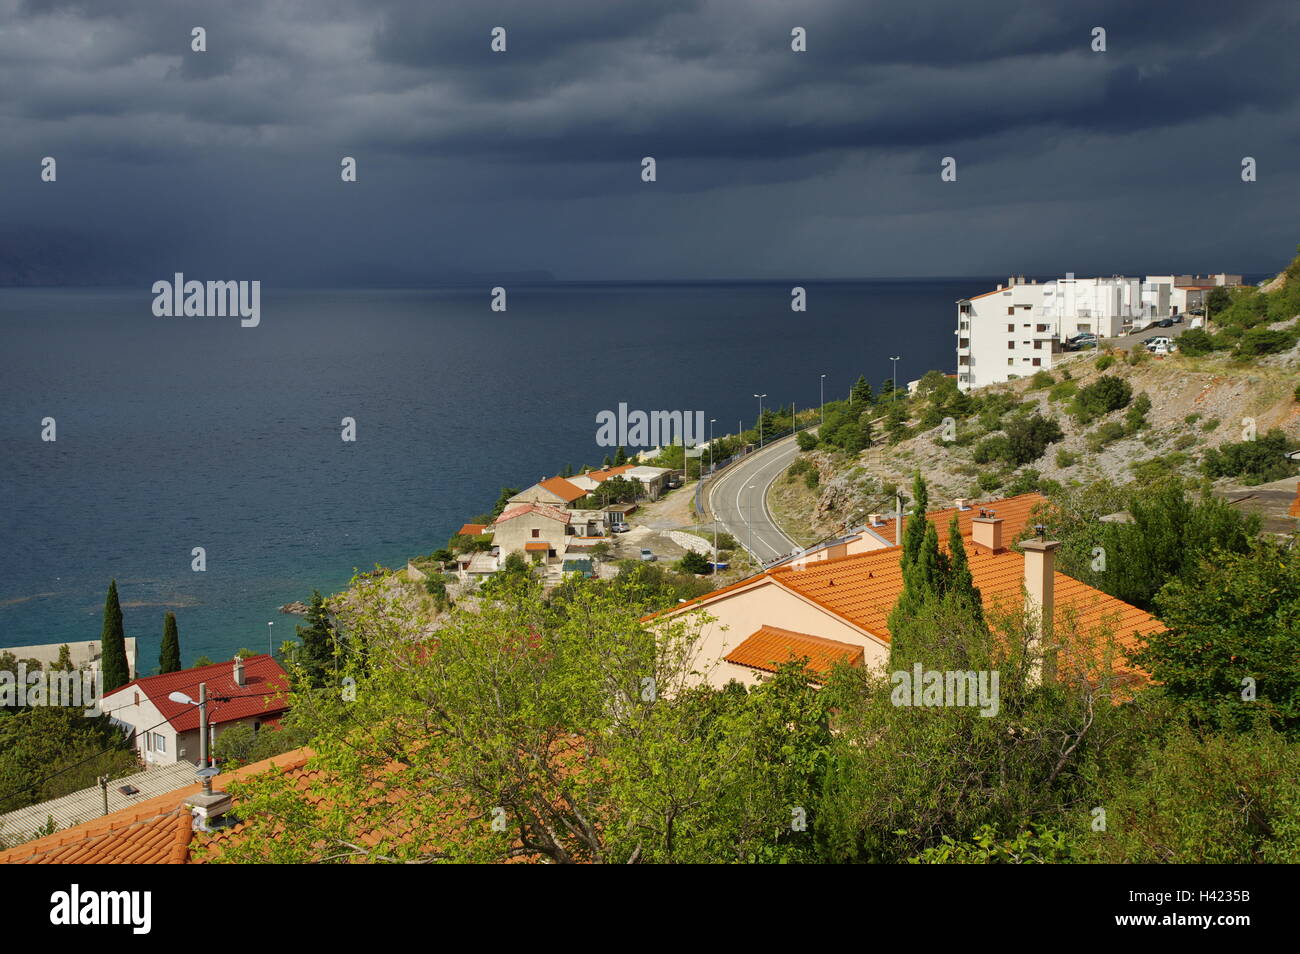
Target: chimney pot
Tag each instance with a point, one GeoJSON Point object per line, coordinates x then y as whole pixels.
{"type": "Point", "coordinates": [239, 671]}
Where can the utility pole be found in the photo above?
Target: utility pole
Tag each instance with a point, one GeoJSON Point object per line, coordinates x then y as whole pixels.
{"type": "Point", "coordinates": [203, 735]}
{"type": "Point", "coordinates": [893, 380]}
{"type": "Point", "coordinates": [760, 419]}
{"type": "Point", "coordinates": [103, 784]}
{"type": "Point", "coordinates": [269, 624]}
{"type": "Point", "coordinates": [823, 399]}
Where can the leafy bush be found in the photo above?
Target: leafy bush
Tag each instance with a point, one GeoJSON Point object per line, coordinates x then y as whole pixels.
{"type": "Point", "coordinates": [1065, 458]}
{"type": "Point", "coordinates": [1104, 362]}
{"type": "Point", "coordinates": [1253, 462]}
{"type": "Point", "coordinates": [806, 441]}
{"type": "Point", "coordinates": [1107, 433]}
{"type": "Point", "coordinates": [993, 448]}
{"type": "Point", "coordinates": [1195, 342]}
{"type": "Point", "coordinates": [694, 562]}
{"type": "Point", "coordinates": [1258, 341]}
{"type": "Point", "coordinates": [989, 481]}
{"type": "Point", "coordinates": [1135, 418]}
{"type": "Point", "coordinates": [1027, 438]}
{"type": "Point", "coordinates": [1210, 425]}
{"type": "Point", "coordinates": [1108, 393]}
{"type": "Point", "coordinates": [1065, 389]}
{"type": "Point", "coordinates": [1041, 379]}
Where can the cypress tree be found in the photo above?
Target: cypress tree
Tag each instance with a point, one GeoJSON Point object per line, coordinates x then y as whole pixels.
{"type": "Point", "coordinates": [116, 672]}
{"type": "Point", "coordinates": [961, 585]}
{"type": "Point", "coordinates": [318, 642]}
{"type": "Point", "coordinates": [170, 659]}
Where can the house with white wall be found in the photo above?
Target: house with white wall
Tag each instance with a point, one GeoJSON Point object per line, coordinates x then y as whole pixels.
{"type": "Point", "coordinates": [251, 691]}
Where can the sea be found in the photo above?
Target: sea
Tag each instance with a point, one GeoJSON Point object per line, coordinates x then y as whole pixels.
{"type": "Point", "coordinates": [175, 433]}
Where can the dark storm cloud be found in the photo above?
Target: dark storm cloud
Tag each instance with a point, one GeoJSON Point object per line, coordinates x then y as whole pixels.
{"type": "Point", "coordinates": [531, 157]}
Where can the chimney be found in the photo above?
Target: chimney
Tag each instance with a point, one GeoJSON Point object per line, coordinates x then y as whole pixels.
{"type": "Point", "coordinates": [1040, 599]}
{"type": "Point", "coordinates": [239, 671]}
{"type": "Point", "coordinates": [873, 520]}
{"type": "Point", "coordinates": [986, 531]}
{"type": "Point", "coordinates": [961, 503]}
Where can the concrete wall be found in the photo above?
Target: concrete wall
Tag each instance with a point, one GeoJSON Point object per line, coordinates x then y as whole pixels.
{"type": "Point", "coordinates": [511, 535]}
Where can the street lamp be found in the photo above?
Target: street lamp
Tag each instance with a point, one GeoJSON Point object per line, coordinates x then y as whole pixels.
{"type": "Point", "coordinates": [823, 399]}
{"type": "Point", "coordinates": [760, 419]}
{"type": "Point", "coordinates": [893, 379]}
{"type": "Point", "coordinates": [712, 420]}
{"type": "Point", "coordinates": [269, 624]}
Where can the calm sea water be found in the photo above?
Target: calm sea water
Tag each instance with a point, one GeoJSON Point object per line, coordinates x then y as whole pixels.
{"type": "Point", "coordinates": [175, 433]}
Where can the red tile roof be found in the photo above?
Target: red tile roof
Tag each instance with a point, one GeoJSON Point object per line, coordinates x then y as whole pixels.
{"type": "Point", "coordinates": [264, 693]}
{"type": "Point", "coordinates": [771, 646]}
{"type": "Point", "coordinates": [537, 545]}
{"type": "Point", "coordinates": [471, 529]}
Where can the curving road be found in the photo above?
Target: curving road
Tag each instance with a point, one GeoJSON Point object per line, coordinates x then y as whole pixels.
{"type": "Point", "coordinates": [737, 498]}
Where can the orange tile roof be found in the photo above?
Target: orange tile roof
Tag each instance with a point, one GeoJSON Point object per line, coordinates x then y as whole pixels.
{"type": "Point", "coordinates": [863, 588]}
{"type": "Point", "coordinates": [537, 545]}
{"type": "Point", "coordinates": [562, 489]}
{"type": "Point", "coordinates": [771, 646]}
{"type": "Point", "coordinates": [602, 475]}
{"type": "Point", "coordinates": [1295, 504]}
{"type": "Point", "coordinates": [157, 831]}
{"type": "Point", "coordinates": [471, 529]}
{"type": "Point", "coordinates": [1013, 511]}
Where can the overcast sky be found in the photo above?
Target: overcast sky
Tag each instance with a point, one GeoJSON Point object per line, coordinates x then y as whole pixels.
{"type": "Point", "coordinates": [771, 163]}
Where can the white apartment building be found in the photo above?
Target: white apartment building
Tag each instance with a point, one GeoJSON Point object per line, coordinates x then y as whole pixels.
{"type": "Point", "coordinates": [1020, 327]}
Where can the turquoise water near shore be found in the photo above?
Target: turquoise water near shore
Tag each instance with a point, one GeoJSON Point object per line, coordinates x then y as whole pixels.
{"type": "Point", "coordinates": [175, 433]}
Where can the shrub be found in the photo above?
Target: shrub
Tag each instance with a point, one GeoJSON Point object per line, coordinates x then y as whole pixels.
{"type": "Point", "coordinates": [1108, 393]}
{"type": "Point", "coordinates": [1191, 418]}
{"type": "Point", "coordinates": [1107, 433]}
{"type": "Point", "coordinates": [694, 562]}
{"type": "Point", "coordinates": [1184, 441]}
{"type": "Point", "coordinates": [996, 447]}
{"type": "Point", "coordinates": [1065, 389]}
{"type": "Point", "coordinates": [1065, 458]}
{"type": "Point", "coordinates": [1258, 341]}
{"type": "Point", "coordinates": [1104, 362]}
{"type": "Point", "coordinates": [1027, 438]}
{"type": "Point", "coordinates": [1210, 425]}
{"type": "Point", "coordinates": [1136, 417]}
{"type": "Point", "coordinates": [989, 481]}
{"type": "Point", "coordinates": [1041, 379]}
{"type": "Point", "coordinates": [1253, 462]}
{"type": "Point", "coordinates": [1195, 342]}
{"type": "Point", "coordinates": [806, 441]}
{"type": "Point", "coordinates": [1137, 354]}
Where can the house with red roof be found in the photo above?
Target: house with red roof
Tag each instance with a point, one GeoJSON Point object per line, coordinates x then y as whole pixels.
{"type": "Point", "coordinates": [251, 691]}
{"type": "Point", "coordinates": [553, 492]}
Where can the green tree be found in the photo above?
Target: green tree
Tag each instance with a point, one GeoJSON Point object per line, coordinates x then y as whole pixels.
{"type": "Point", "coordinates": [64, 662]}
{"type": "Point", "coordinates": [861, 392]}
{"type": "Point", "coordinates": [692, 562]}
{"type": "Point", "coordinates": [169, 660]}
{"type": "Point", "coordinates": [1233, 638]}
{"type": "Point", "coordinates": [318, 644]}
{"type": "Point", "coordinates": [116, 671]}
{"type": "Point", "coordinates": [620, 457]}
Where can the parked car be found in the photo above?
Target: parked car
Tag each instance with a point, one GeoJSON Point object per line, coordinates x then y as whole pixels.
{"type": "Point", "coordinates": [619, 528]}
{"type": "Point", "coordinates": [1165, 323]}
{"type": "Point", "coordinates": [647, 556]}
{"type": "Point", "coordinates": [1164, 347]}
{"type": "Point", "coordinates": [1178, 319]}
